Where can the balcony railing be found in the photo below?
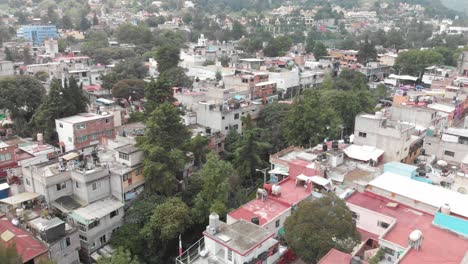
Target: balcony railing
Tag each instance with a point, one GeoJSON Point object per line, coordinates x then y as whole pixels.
{"type": "Point", "coordinates": [192, 253]}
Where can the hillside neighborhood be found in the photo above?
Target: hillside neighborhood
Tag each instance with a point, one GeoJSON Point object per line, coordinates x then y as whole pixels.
{"type": "Point", "coordinates": [233, 132]}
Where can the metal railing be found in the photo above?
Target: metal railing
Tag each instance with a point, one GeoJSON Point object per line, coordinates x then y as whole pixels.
{"type": "Point", "coordinates": [192, 253]}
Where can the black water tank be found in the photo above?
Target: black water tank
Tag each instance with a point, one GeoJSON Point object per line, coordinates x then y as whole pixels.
{"type": "Point", "coordinates": [255, 220]}
{"type": "Point", "coordinates": [324, 147]}
{"type": "Point", "coordinates": [335, 145]}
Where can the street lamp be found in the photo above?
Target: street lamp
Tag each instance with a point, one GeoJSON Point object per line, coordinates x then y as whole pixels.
{"type": "Point", "coordinates": [264, 173]}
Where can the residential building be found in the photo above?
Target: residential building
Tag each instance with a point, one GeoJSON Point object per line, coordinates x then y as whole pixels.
{"type": "Point", "coordinates": [6, 68]}
{"type": "Point", "coordinates": [37, 33]}
{"type": "Point", "coordinates": [388, 59]}
{"type": "Point", "coordinates": [399, 140]}
{"type": "Point", "coordinates": [239, 242]}
{"type": "Point", "coordinates": [30, 249]}
{"type": "Point", "coordinates": [61, 239]}
{"type": "Point", "coordinates": [7, 160]}
{"type": "Point", "coordinates": [450, 145]}
{"type": "Point", "coordinates": [51, 47]}
{"type": "Point", "coordinates": [96, 224]}
{"type": "Point", "coordinates": [84, 131]}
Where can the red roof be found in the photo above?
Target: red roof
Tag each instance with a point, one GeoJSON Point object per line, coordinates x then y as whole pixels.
{"type": "Point", "coordinates": [335, 256]}
{"type": "Point", "coordinates": [273, 206]}
{"type": "Point", "coordinates": [410, 219]}
{"type": "Point", "coordinates": [26, 245]}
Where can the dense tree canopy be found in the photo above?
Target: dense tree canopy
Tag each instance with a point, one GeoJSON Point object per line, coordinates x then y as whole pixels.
{"type": "Point", "coordinates": [413, 62]}
{"type": "Point", "coordinates": [320, 225]}
{"type": "Point", "coordinates": [129, 88]}
{"type": "Point", "coordinates": [119, 256]}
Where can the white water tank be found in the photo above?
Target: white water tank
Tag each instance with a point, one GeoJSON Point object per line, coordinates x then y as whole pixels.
{"type": "Point", "coordinates": [40, 138]}
{"type": "Point", "coordinates": [15, 222]}
{"type": "Point", "coordinates": [214, 221]}
{"type": "Point", "coordinates": [415, 239]}
{"type": "Point", "coordinates": [276, 189]}
{"type": "Point", "coordinates": [445, 209]}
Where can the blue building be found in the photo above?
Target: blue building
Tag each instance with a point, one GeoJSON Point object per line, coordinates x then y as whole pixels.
{"type": "Point", "coordinates": [36, 34]}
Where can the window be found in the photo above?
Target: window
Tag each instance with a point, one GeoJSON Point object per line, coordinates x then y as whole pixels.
{"type": "Point", "coordinates": [93, 224]}
{"type": "Point", "coordinates": [93, 136]}
{"type": "Point", "coordinates": [114, 213]}
{"type": "Point", "coordinates": [126, 176]}
{"type": "Point", "coordinates": [67, 241]}
{"type": "Point", "coordinates": [77, 185]}
{"type": "Point", "coordinates": [109, 133]}
{"type": "Point", "coordinates": [80, 126]}
{"type": "Point", "coordinates": [107, 120]}
{"type": "Point", "coordinates": [69, 139]}
{"type": "Point", "coordinates": [93, 245]}
{"type": "Point", "coordinates": [61, 186]}
{"type": "Point", "coordinates": [389, 251]}
{"type": "Point", "coordinates": [277, 223]}
{"type": "Point", "coordinates": [222, 117]}
{"type": "Point", "coordinates": [229, 255]}
{"type": "Point", "coordinates": [6, 156]}
{"type": "Point", "coordinates": [362, 134]}
{"type": "Point", "coordinates": [27, 182]}
{"type": "Point", "coordinates": [139, 171]}
{"type": "Point", "coordinates": [124, 156]}
{"type": "Point", "coordinates": [96, 185]}
{"type": "Point", "coordinates": [102, 239]}
{"type": "Point", "coordinates": [83, 238]}
{"type": "Point", "coordinates": [61, 125]}
{"type": "Point", "coordinates": [236, 126]}
{"type": "Point", "coordinates": [382, 224]}
{"type": "Point", "coordinates": [236, 116]}
{"type": "Point", "coordinates": [226, 128]}
{"type": "Point", "coordinates": [449, 153]}
{"type": "Point", "coordinates": [355, 216]}
{"type": "Point", "coordinates": [81, 226]}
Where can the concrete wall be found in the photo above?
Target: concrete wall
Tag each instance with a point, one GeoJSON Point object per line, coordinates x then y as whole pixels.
{"type": "Point", "coordinates": [65, 134]}
{"type": "Point", "coordinates": [404, 200]}
{"type": "Point", "coordinates": [415, 115]}
{"type": "Point", "coordinates": [368, 220]}
{"type": "Point", "coordinates": [62, 254]}
{"type": "Point", "coordinates": [435, 146]}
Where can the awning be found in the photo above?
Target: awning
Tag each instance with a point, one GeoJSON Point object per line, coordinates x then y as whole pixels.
{"type": "Point", "coordinates": [364, 153]}
{"type": "Point", "coordinates": [70, 156]}
{"type": "Point", "coordinates": [4, 186]}
{"type": "Point", "coordinates": [280, 171]}
{"type": "Point", "coordinates": [403, 77]}
{"type": "Point", "coordinates": [320, 180]}
{"type": "Point", "coordinates": [20, 198]}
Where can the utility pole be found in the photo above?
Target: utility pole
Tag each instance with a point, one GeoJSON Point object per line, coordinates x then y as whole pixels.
{"type": "Point", "coordinates": [264, 173]}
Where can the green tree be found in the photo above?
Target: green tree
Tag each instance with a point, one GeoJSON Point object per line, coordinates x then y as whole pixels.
{"type": "Point", "coordinates": [67, 22]}
{"type": "Point", "coordinates": [367, 52]}
{"type": "Point", "coordinates": [413, 62]}
{"type": "Point", "coordinates": [163, 145]}
{"type": "Point", "coordinates": [278, 46]}
{"type": "Point", "coordinates": [310, 44]}
{"type": "Point", "coordinates": [27, 59]}
{"type": "Point", "coordinates": [95, 40]}
{"type": "Point", "coordinates": [310, 121]}
{"type": "Point", "coordinates": [230, 144]}
{"type": "Point", "coordinates": [129, 33]}
{"type": "Point", "coordinates": [224, 60]}
{"type": "Point", "coordinates": [9, 55]}
{"type": "Point", "coordinates": [320, 50]}
{"type": "Point", "coordinates": [127, 88]}
{"type": "Point", "coordinates": [22, 97]}
{"type": "Point", "coordinates": [218, 76]}
{"type": "Point", "coordinates": [320, 225]}
{"type": "Point", "coordinates": [250, 152]}
{"type": "Point", "coordinates": [8, 255]}
{"type": "Point", "coordinates": [54, 106]}
{"type": "Point", "coordinates": [199, 148]}
{"type": "Point", "coordinates": [158, 92]}
{"type": "Point", "coordinates": [84, 24]}
{"type": "Point", "coordinates": [77, 100]}
{"type": "Point", "coordinates": [42, 76]}
{"type": "Point", "coordinates": [272, 120]}
{"type": "Point", "coordinates": [167, 57]}
{"type": "Point", "coordinates": [169, 220]}
{"type": "Point", "coordinates": [214, 193]}
{"type": "Point", "coordinates": [120, 256]}
{"type": "Point", "coordinates": [395, 39]}
{"type": "Point", "coordinates": [175, 77]}
{"type": "Point", "coordinates": [237, 31]}
{"type": "Point", "coordinates": [132, 68]}
{"type": "Point", "coordinates": [95, 20]}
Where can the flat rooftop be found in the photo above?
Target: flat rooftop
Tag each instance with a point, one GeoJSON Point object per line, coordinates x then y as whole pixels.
{"type": "Point", "coordinates": [432, 195]}
{"type": "Point", "coordinates": [409, 219]}
{"type": "Point", "coordinates": [96, 210]}
{"type": "Point", "coordinates": [241, 236]}
{"type": "Point", "coordinates": [266, 210]}
{"type": "Point", "coordinates": [83, 117]}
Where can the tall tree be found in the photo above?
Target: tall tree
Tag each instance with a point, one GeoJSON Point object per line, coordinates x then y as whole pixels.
{"type": "Point", "coordinates": [8, 255]}
{"type": "Point", "coordinates": [27, 59]}
{"type": "Point", "coordinates": [310, 121]}
{"type": "Point", "coordinates": [163, 144]}
{"type": "Point", "coordinates": [320, 225]}
{"type": "Point", "coordinates": [169, 220]}
{"type": "Point", "coordinates": [158, 92]}
{"type": "Point", "coordinates": [167, 57]}
{"type": "Point", "coordinates": [250, 152]}
{"type": "Point", "coordinates": [320, 50]}
{"type": "Point", "coordinates": [53, 107]}
{"type": "Point", "coordinates": [272, 120]}
{"type": "Point", "coordinates": [413, 62]}
{"type": "Point", "coordinates": [129, 88]}
{"type": "Point", "coordinates": [214, 193]}
{"type": "Point", "coordinates": [76, 98]}
{"type": "Point", "coordinates": [199, 148]}
{"type": "Point", "coordinates": [84, 24]}
{"type": "Point", "coordinates": [367, 52]}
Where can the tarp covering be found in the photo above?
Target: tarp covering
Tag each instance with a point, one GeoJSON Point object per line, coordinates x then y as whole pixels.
{"type": "Point", "coordinates": [70, 156]}
{"type": "Point", "coordinates": [20, 198]}
{"type": "Point", "coordinates": [364, 153]}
